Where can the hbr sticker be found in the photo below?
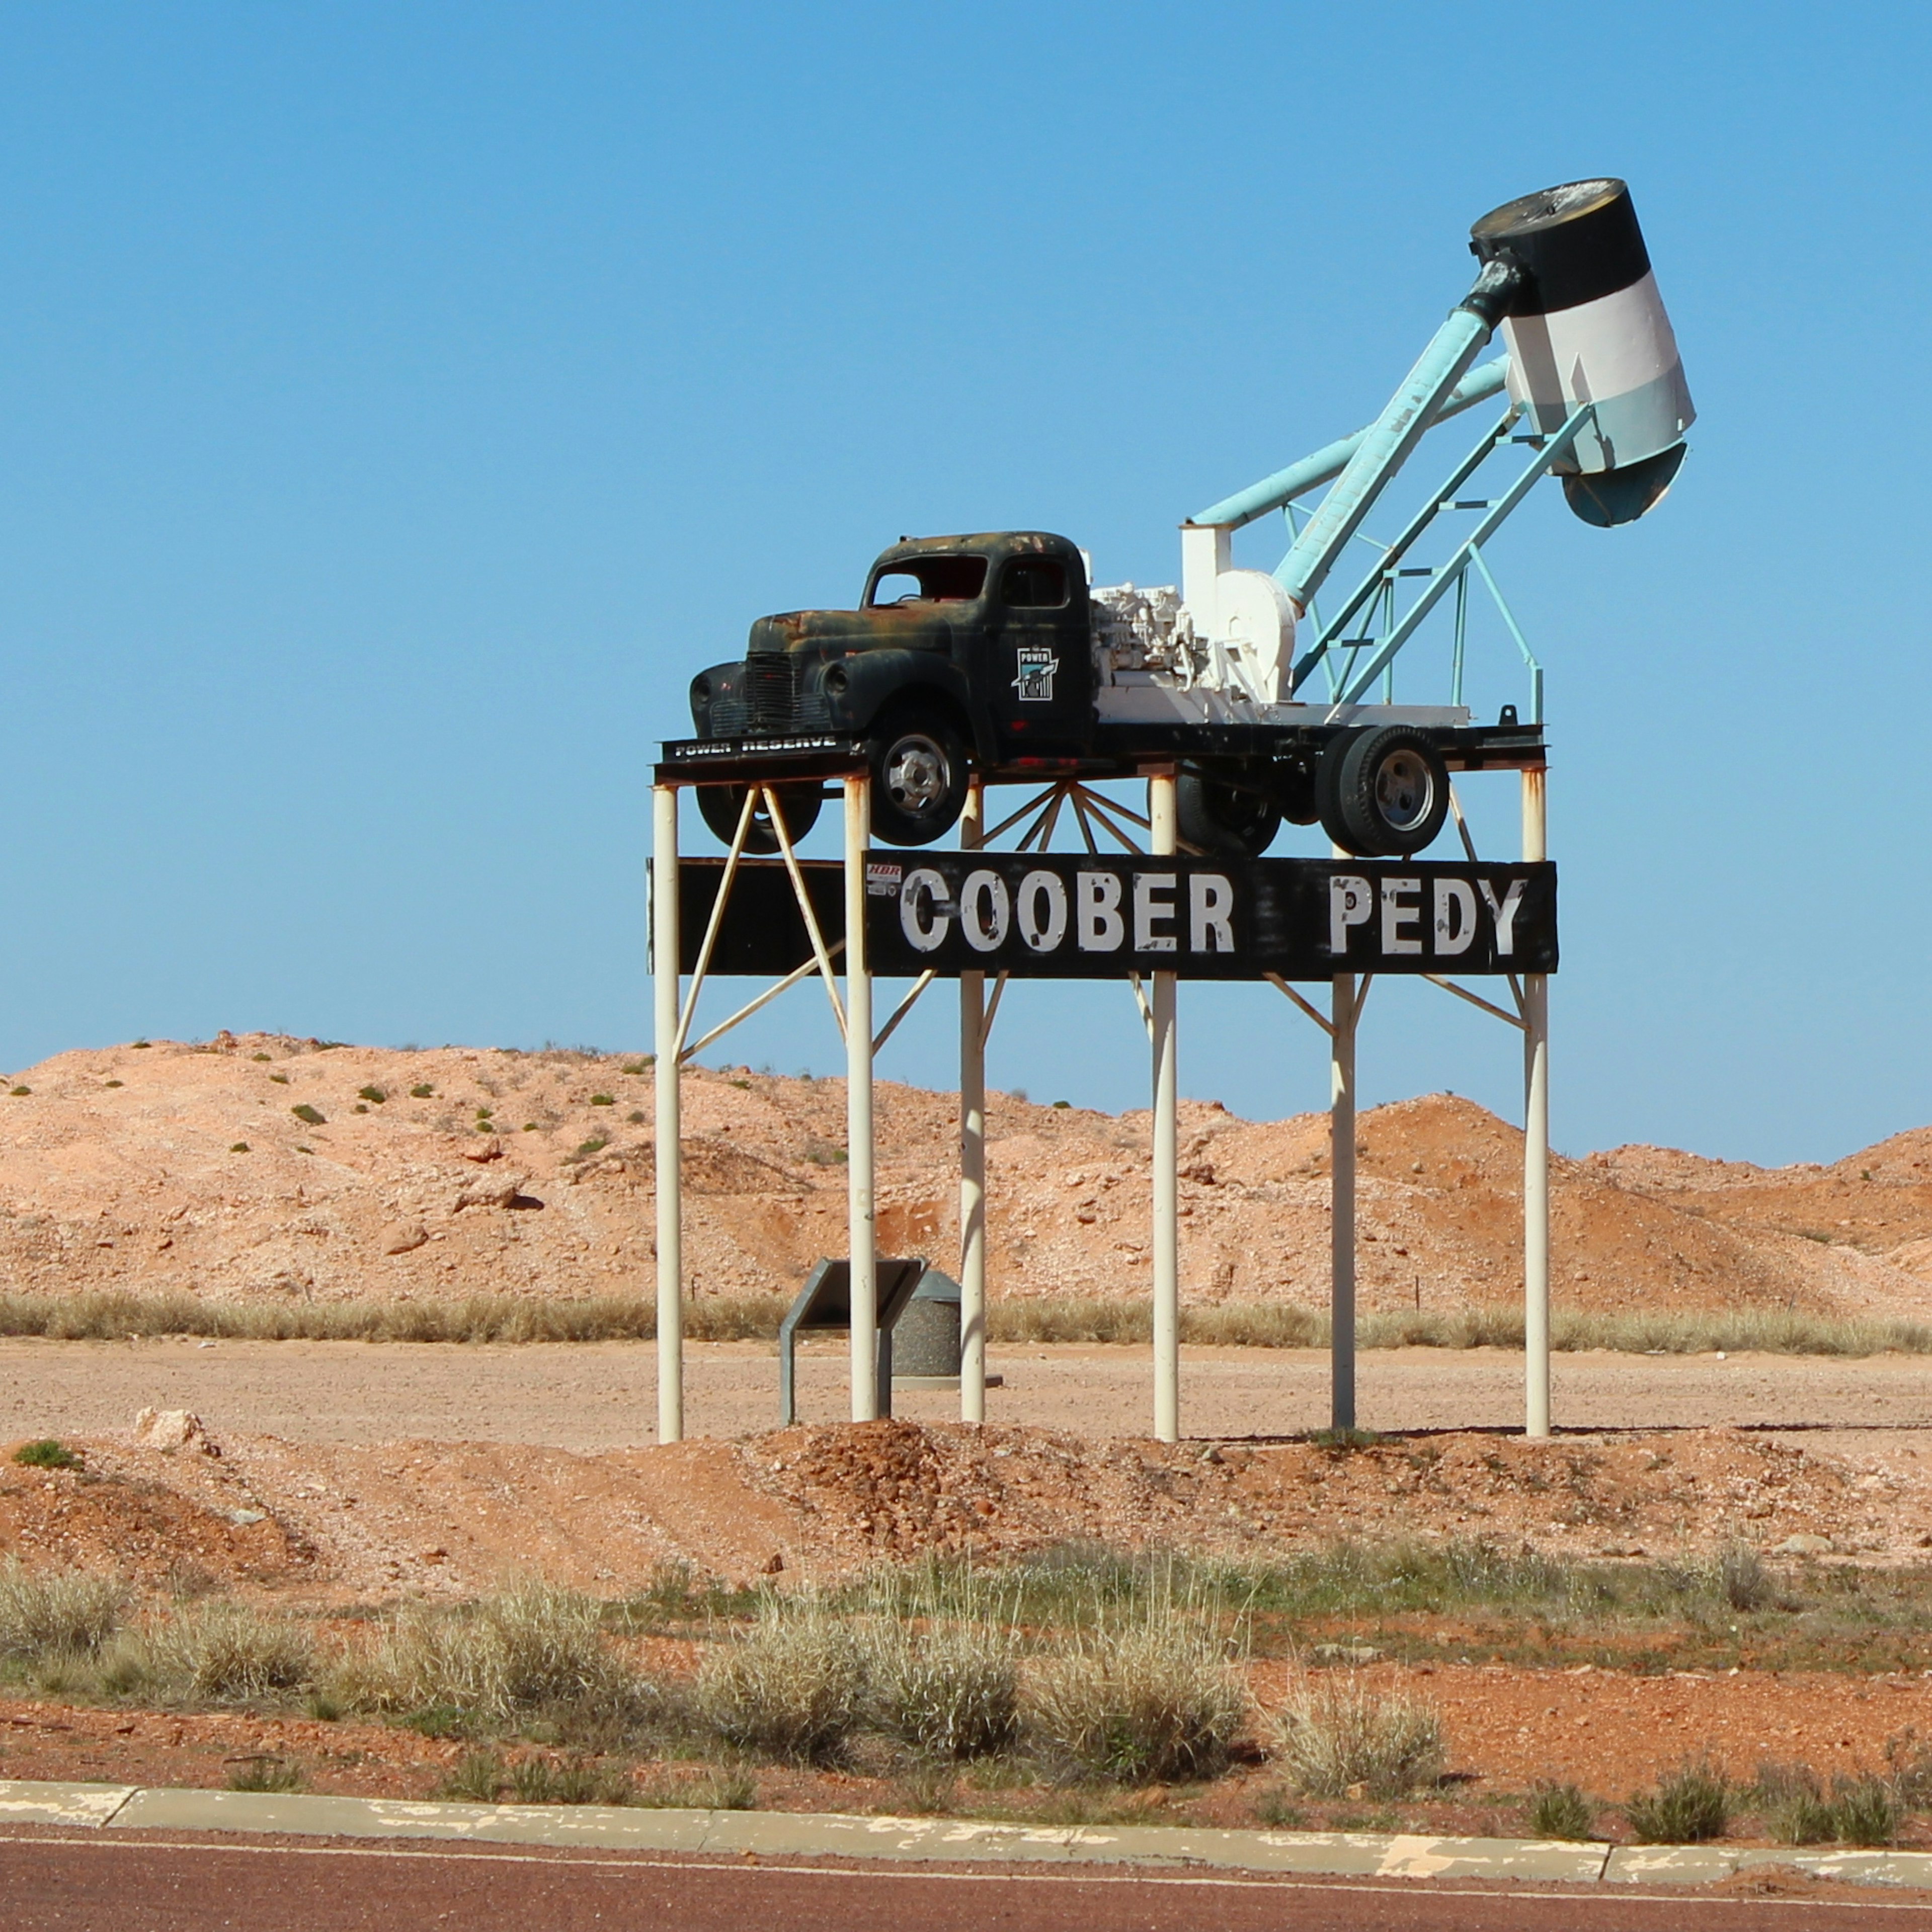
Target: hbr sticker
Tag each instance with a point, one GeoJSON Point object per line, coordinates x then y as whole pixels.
{"type": "Point", "coordinates": [882, 878]}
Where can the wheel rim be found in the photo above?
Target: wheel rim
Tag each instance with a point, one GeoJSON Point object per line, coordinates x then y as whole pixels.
{"type": "Point", "coordinates": [916, 775]}
{"type": "Point", "coordinates": [1404, 791]}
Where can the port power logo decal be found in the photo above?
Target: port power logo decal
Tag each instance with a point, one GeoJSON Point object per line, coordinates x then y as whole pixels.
{"type": "Point", "coordinates": [1037, 665]}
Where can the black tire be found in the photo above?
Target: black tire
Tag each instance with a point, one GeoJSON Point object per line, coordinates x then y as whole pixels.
{"type": "Point", "coordinates": [1215, 815]}
{"type": "Point", "coordinates": [1294, 787]}
{"type": "Point", "coordinates": [719, 806]}
{"type": "Point", "coordinates": [1387, 792]}
{"type": "Point", "coordinates": [919, 770]}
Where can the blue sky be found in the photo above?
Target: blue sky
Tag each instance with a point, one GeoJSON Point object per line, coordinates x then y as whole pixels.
{"type": "Point", "coordinates": [398, 403]}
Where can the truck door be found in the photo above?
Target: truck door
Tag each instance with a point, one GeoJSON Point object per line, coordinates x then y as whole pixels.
{"type": "Point", "coordinates": [1039, 676]}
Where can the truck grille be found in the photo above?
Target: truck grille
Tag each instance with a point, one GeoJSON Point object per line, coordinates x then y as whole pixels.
{"type": "Point", "coordinates": [771, 692]}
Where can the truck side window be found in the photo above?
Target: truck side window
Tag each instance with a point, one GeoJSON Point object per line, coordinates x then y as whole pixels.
{"type": "Point", "coordinates": [934, 580]}
{"type": "Point", "coordinates": [1034, 583]}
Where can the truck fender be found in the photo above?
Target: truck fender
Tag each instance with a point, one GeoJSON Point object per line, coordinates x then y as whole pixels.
{"type": "Point", "coordinates": [874, 679]}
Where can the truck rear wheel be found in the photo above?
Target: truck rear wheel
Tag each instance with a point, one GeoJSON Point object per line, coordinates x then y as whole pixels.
{"type": "Point", "coordinates": [919, 773]}
{"type": "Point", "coordinates": [719, 807]}
{"type": "Point", "coordinates": [1384, 793]}
{"type": "Point", "coordinates": [1215, 815]}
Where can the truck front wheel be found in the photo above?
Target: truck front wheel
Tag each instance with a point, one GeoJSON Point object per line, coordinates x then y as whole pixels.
{"type": "Point", "coordinates": [920, 772]}
{"type": "Point", "coordinates": [719, 806]}
{"type": "Point", "coordinates": [1384, 793]}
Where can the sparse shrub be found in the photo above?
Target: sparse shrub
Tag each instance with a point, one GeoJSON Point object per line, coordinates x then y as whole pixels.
{"type": "Point", "coordinates": [725, 1788]}
{"type": "Point", "coordinates": [637, 1116]}
{"type": "Point", "coordinates": [313, 1116]}
{"type": "Point", "coordinates": [266, 1774]}
{"type": "Point", "coordinates": [572, 1780]}
{"type": "Point", "coordinates": [423, 1090]}
{"type": "Point", "coordinates": [1154, 1699]}
{"type": "Point", "coordinates": [223, 1653]}
{"type": "Point", "coordinates": [1336, 1732]}
{"type": "Point", "coordinates": [47, 1453]}
{"type": "Point", "coordinates": [1274, 1809]}
{"type": "Point", "coordinates": [1342, 1442]}
{"type": "Point", "coordinates": [596, 1143]}
{"type": "Point", "coordinates": [478, 1776]}
{"type": "Point", "coordinates": [530, 1646]}
{"type": "Point", "coordinates": [1865, 1810]}
{"type": "Point", "coordinates": [258, 1056]}
{"type": "Point", "coordinates": [1742, 1580]}
{"type": "Point", "coordinates": [56, 1613]}
{"type": "Point", "coordinates": [603, 1100]}
{"type": "Point", "coordinates": [113, 1083]}
{"type": "Point", "coordinates": [374, 1095]}
{"type": "Point", "coordinates": [280, 1079]}
{"type": "Point", "coordinates": [1560, 1811]}
{"type": "Point", "coordinates": [19, 1093]}
{"type": "Point", "coordinates": [1908, 1764]}
{"type": "Point", "coordinates": [642, 1066]}
{"type": "Point", "coordinates": [1690, 1805]}
{"type": "Point", "coordinates": [240, 1146]}
{"type": "Point", "coordinates": [951, 1689]}
{"type": "Point", "coordinates": [793, 1685]}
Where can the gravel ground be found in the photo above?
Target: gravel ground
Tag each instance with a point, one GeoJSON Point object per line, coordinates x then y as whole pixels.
{"type": "Point", "coordinates": [603, 1395]}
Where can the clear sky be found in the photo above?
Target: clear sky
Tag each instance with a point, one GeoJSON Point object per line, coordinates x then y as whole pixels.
{"type": "Point", "coordinates": [398, 403]}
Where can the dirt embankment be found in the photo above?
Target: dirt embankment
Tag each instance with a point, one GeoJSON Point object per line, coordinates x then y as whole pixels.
{"type": "Point", "coordinates": [354, 1522]}
{"type": "Point", "coordinates": [263, 1168]}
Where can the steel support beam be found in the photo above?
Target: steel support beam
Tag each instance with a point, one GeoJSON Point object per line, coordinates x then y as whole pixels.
{"type": "Point", "coordinates": [1164, 840]}
{"type": "Point", "coordinates": [973, 1155]}
{"type": "Point", "coordinates": [665, 1076]}
{"type": "Point", "coordinates": [860, 1221]}
{"type": "Point", "coordinates": [1536, 1141]}
{"type": "Point", "coordinates": [1343, 1015]}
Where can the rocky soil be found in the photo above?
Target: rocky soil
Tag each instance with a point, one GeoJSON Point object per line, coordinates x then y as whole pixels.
{"type": "Point", "coordinates": [259, 1167]}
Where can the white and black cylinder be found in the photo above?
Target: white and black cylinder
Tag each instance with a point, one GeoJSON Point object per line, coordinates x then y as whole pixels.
{"type": "Point", "coordinates": [1585, 324]}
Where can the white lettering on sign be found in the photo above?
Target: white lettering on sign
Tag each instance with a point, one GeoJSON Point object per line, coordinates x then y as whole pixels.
{"type": "Point", "coordinates": [1504, 915]}
{"type": "Point", "coordinates": [1350, 903]}
{"type": "Point", "coordinates": [1398, 911]}
{"type": "Point", "coordinates": [1153, 905]}
{"type": "Point", "coordinates": [924, 913]}
{"type": "Point", "coordinates": [1041, 903]}
{"type": "Point", "coordinates": [1455, 916]}
{"type": "Point", "coordinates": [1210, 899]}
{"type": "Point", "coordinates": [1102, 929]}
{"type": "Point", "coordinates": [983, 910]}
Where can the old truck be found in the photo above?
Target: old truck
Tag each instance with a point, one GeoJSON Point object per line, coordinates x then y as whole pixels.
{"type": "Point", "coordinates": [996, 652]}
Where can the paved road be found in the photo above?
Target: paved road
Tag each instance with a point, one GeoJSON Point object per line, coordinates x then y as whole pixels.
{"type": "Point", "coordinates": [603, 1395]}
{"type": "Point", "coordinates": [65, 1885]}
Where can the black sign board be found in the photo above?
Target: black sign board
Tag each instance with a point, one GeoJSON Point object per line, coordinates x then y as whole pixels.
{"type": "Point", "coordinates": [1062, 916]}
{"type": "Point", "coordinates": [1071, 916]}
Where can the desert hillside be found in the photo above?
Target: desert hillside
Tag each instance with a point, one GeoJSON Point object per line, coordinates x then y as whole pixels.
{"type": "Point", "coordinates": [260, 1166]}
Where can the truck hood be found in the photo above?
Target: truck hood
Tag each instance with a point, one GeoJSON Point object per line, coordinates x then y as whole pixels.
{"type": "Point", "coordinates": [833, 633]}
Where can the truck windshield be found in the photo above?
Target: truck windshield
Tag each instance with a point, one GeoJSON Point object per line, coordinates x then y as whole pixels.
{"type": "Point", "coordinates": [931, 580]}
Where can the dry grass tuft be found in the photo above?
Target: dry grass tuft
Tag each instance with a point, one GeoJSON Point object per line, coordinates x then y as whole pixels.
{"type": "Point", "coordinates": [532, 1645]}
{"type": "Point", "coordinates": [793, 1684]}
{"type": "Point", "coordinates": [949, 1688]}
{"type": "Point", "coordinates": [224, 1653]}
{"type": "Point", "coordinates": [45, 1614]}
{"type": "Point", "coordinates": [1337, 1737]}
{"type": "Point", "coordinates": [1152, 1698]}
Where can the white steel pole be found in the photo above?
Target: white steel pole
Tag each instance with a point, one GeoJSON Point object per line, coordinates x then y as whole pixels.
{"type": "Point", "coordinates": [859, 1108]}
{"type": "Point", "coordinates": [1341, 1205]}
{"type": "Point", "coordinates": [665, 1073]}
{"type": "Point", "coordinates": [1536, 1140]}
{"type": "Point", "coordinates": [973, 1155]}
{"type": "Point", "coordinates": [1164, 839]}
